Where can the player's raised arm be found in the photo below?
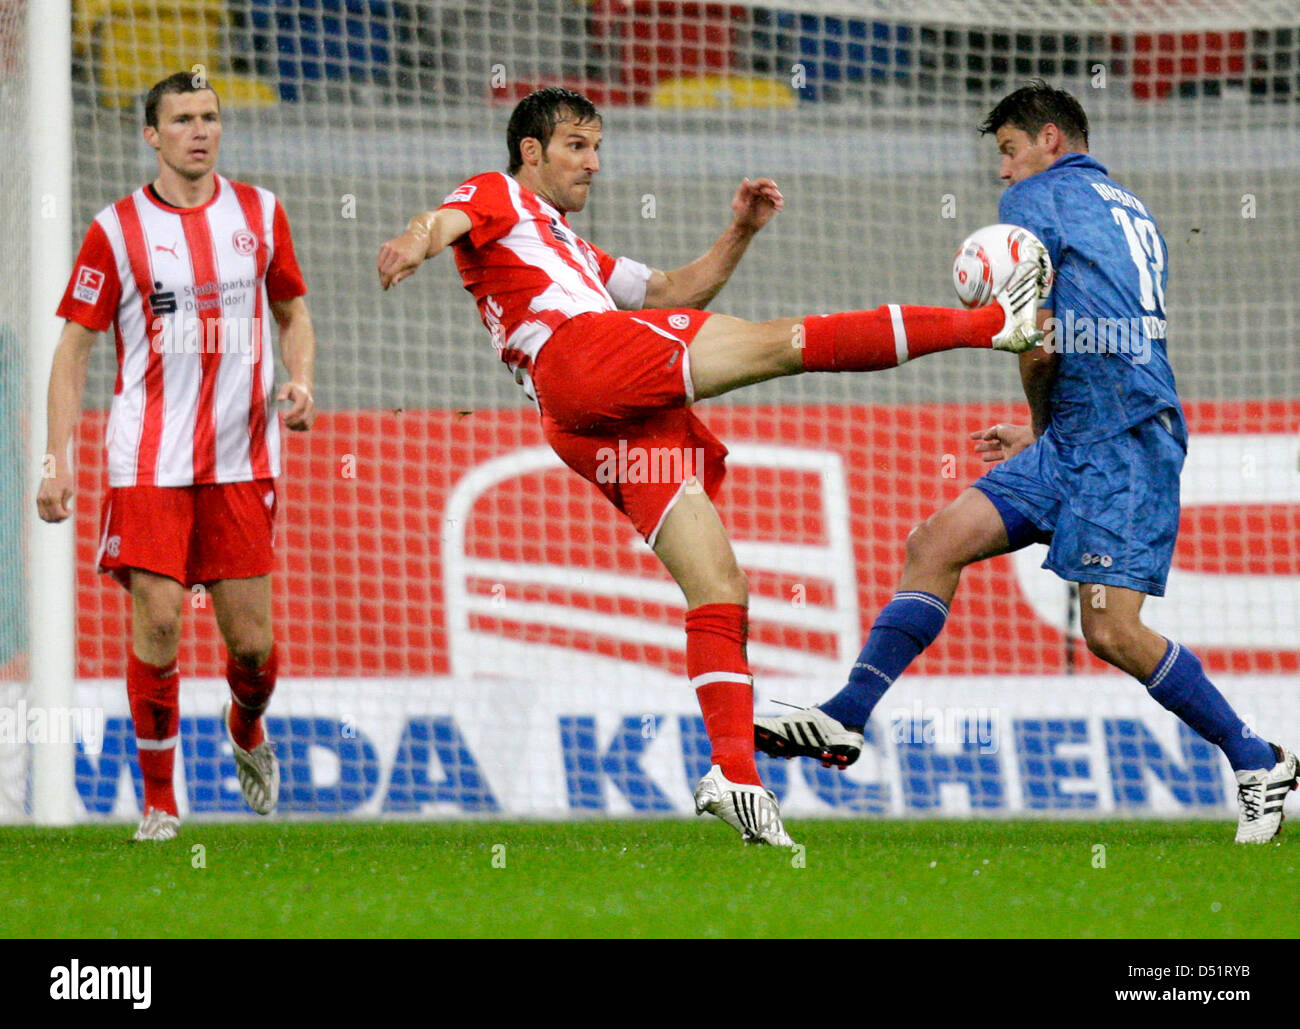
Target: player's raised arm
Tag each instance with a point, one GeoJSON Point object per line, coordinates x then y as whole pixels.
{"type": "Point", "coordinates": [67, 384]}
{"type": "Point", "coordinates": [426, 235]}
{"type": "Point", "coordinates": [695, 284]}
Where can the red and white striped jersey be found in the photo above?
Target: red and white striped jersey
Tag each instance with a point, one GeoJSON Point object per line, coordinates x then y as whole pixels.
{"type": "Point", "coordinates": [187, 292]}
{"type": "Point", "coordinates": [530, 272]}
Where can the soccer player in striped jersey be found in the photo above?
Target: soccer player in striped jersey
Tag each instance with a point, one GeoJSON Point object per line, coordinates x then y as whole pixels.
{"type": "Point", "coordinates": [1096, 475]}
{"type": "Point", "coordinates": [615, 353]}
{"type": "Point", "coordinates": [189, 271]}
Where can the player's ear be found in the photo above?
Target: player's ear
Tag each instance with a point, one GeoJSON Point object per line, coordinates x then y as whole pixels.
{"type": "Point", "coordinates": [151, 136]}
{"type": "Point", "coordinates": [531, 150]}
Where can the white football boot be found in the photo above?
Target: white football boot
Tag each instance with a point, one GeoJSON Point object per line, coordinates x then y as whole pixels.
{"type": "Point", "coordinates": [751, 810]}
{"type": "Point", "coordinates": [808, 732]}
{"type": "Point", "coordinates": [259, 771]}
{"type": "Point", "coordinates": [158, 827]}
{"type": "Point", "coordinates": [1260, 793]}
{"type": "Point", "coordinates": [1019, 298]}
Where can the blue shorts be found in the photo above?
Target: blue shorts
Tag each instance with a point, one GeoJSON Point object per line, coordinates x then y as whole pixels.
{"type": "Point", "coordinates": [1109, 509]}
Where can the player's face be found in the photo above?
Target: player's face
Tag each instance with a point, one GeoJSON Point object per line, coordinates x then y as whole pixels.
{"type": "Point", "coordinates": [188, 135]}
{"type": "Point", "coordinates": [1021, 155]}
{"type": "Point", "coordinates": [569, 164]}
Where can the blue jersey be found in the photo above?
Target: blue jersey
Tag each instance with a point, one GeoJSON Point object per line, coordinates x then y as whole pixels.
{"type": "Point", "coordinates": [1108, 300]}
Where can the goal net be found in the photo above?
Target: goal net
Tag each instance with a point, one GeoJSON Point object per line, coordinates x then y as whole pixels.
{"type": "Point", "coordinates": [466, 628]}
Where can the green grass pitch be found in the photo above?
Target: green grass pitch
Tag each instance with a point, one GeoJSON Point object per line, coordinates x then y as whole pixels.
{"type": "Point", "coordinates": [671, 878]}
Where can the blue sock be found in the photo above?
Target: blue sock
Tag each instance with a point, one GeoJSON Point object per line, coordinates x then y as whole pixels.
{"type": "Point", "coordinates": [1179, 685]}
{"type": "Point", "coordinates": [908, 624]}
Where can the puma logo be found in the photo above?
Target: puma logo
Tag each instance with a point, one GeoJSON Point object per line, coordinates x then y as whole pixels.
{"type": "Point", "coordinates": [168, 250]}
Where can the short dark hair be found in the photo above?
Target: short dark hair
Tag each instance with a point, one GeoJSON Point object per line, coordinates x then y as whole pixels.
{"type": "Point", "coordinates": [180, 82]}
{"type": "Point", "coordinates": [537, 114]}
{"type": "Point", "coordinates": [1035, 105]}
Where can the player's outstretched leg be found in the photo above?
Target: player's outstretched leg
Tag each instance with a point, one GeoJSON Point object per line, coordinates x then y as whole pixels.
{"type": "Point", "coordinates": [728, 353]}
{"type": "Point", "coordinates": [693, 546]}
{"type": "Point", "coordinates": [967, 530]}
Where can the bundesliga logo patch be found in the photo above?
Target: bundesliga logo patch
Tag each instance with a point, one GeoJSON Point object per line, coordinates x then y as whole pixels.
{"type": "Point", "coordinates": [89, 284]}
{"type": "Point", "coordinates": [463, 195]}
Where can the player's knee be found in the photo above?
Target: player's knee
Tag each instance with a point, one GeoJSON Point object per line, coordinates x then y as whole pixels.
{"type": "Point", "coordinates": [1108, 640]}
{"type": "Point", "coordinates": [925, 547]}
{"type": "Point", "coordinates": [160, 624]}
{"type": "Point", "coordinates": [728, 585]}
{"type": "Point", "coordinates": [251, 658]}
{"type": "Point", "coordinates": [724, 585]}
{"type": "Point", "coordinates": [737, 585]}
{"type": "Point", "coordinates": [249, 642]}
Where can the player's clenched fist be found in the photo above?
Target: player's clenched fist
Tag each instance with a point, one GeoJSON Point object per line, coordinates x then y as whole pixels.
{"type": "Point", "coordinates": [755, 203]}
{"type": "Point", "coordinates": [400, 256]}
{"type": "Point", "coordinates": [54, 498]}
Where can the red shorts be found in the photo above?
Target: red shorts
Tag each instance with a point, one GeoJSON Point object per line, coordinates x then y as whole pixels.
{"type": "Point", "coordinates": [614, 389]}
{"type": "Point", "coordinates": [193, 534]}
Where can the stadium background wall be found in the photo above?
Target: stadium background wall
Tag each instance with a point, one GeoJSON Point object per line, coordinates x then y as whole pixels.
{"type": "Point", "coordinates": [510, 647]}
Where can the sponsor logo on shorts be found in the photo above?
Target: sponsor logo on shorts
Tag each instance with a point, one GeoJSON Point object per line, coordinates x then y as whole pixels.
{"type": "Point", "coordinates": [679, 321]}
{"type": "Point", "coordinates": [463, 195]}
{"type": "Point", "coordinates": [244, 242]}
{"type": "Point", "coordinates": [1105, 560]}
{"type": "Point", "coordinates": [88, 285]}
{"type": "Point", "coordinates": [113, 546]}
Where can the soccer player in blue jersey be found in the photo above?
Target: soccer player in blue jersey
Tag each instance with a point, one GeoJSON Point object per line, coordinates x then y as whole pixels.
{"type": "Point", "coordinates": [1096, 475]}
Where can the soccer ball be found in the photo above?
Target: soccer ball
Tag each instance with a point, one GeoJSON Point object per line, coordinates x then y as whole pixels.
{"type": "Point", "coordinates": [986, 260]}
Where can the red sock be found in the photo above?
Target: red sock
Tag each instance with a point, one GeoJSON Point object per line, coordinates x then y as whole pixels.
{"type": "Point", "coordinates": [719, 671]}
{"type": "Point", "coordinates": [153, 694]}
{"type": "Point", "coordinates": [867, 341]}
{"type": "Point", "coordinates": [251, 689]}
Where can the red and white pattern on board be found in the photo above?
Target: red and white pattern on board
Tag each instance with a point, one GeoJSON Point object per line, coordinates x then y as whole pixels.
{"type": "Point", "coordinates": [819, 500]}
